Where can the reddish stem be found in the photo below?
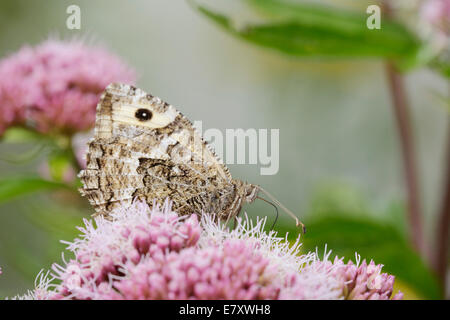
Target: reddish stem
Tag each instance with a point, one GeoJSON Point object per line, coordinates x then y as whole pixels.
{"type": "Point", "coordinates": [401, 111]}
{"type": "Point", "coordinates": [442, 232]}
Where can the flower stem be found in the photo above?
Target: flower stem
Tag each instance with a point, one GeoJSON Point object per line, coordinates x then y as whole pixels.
{"type": "Point", "coordinates": [443, 224]}
{"type": "Point", "coordinates": [401, 111]}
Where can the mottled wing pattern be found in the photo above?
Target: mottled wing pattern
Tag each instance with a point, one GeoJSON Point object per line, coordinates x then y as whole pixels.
{"type": "Point", "coordinates": [145, 149]}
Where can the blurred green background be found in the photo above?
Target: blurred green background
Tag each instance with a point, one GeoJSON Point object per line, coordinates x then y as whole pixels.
{"type": "Point", "coordinates": [340, 160]}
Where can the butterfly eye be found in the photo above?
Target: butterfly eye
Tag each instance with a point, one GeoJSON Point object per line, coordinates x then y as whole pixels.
{"type": "Point", "coordinates": [143, 114]}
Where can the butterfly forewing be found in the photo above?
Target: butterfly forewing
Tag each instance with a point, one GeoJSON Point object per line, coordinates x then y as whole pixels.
{"type": "Point", "coordinates": [145, 149]}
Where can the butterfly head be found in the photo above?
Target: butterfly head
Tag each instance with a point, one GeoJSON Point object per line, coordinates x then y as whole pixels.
{"type": "Point", "coordinates": [251, 191]}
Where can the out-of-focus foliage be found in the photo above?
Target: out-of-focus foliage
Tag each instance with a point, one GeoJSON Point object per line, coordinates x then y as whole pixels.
{"type": "Point", "coordinates": [408, 292]}
{"type": "Point", "coordinates": [18, 186]}
{"type": "Point", "coordinates": [442, 65]}
{"type": "Point", "coordinates": [59, 159]}
{"type": "Point", "coordinates": [342, 222]}
{"type": "Point", "coordinates": [303, 29]}
{"type": "Point", "coordinates": [25, 255]}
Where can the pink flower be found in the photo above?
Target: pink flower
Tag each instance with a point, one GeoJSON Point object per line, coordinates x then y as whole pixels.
{"type": "Point", "coordinates": [361, 281]}
{"type": "Point", "coordinates": [365, 281]}
{"type": "Point", "coordinates": [232, 272]}
{"type": "Point", "coordinates": [55, 86]}
{"type": "Point", "coordinates": [143, 253]}
{"type": "Point", "coordinates": [434, 23]}
{"type": "Point", "coordinates": [437, 13]}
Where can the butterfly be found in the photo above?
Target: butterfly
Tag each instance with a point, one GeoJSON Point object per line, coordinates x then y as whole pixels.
{"type": "Point", "coordinates": [145, 149]}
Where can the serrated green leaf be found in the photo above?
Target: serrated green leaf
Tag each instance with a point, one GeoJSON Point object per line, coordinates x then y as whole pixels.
{"type": "Point", "coordinates": [311, 30]}
{"type": "Point", "coordinates": [18, 186]}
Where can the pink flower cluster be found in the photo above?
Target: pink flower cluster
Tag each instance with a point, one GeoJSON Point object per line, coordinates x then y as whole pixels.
{"type": "Point", "coordinates": [55, 86]}
{"type": "Point", "coordinates": [360, 281]}
{"type": "Point", "coordinates": [366, 282]}
{"type": "Point", "coordinates": [144, 253]}
{"type": "Point", "coordinates": [113, 247]}
{"type": "Point", "coordinates": [233, 272]}
{"type": "Point", "coordinates": [155, 257]}
{"type": "Point", "coordinates": [355, 282]}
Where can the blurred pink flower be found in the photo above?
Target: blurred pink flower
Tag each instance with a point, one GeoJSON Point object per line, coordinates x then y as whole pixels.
{"type": "Point", "coordinates": [434, 23]}
{"type": "Point", "coordinates": [55, 86]}
{"type": "Point", "coordinates": [144, 253]}
{"type": "Point", "coordinates": [437, 13]}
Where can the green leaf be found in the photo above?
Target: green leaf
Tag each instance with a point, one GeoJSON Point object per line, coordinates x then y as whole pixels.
{"type": "Point", "coordinates": [312, 30]}
{"type": "Point", "coordinates": [14, 187]}
{"type": "Point", "coordinates": [20, 135]}
{"type": "Point", "coordinates": [371, 239]}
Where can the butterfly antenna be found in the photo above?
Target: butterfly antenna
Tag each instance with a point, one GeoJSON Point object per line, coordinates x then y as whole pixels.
{"type": "Point", "coordinates": [289, 212]}
{"type": "Point", "coordinates": [276, 218]}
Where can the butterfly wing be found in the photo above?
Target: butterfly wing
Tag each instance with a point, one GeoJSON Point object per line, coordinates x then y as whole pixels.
{"type": "Point", "coordinates": [152, 159]}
